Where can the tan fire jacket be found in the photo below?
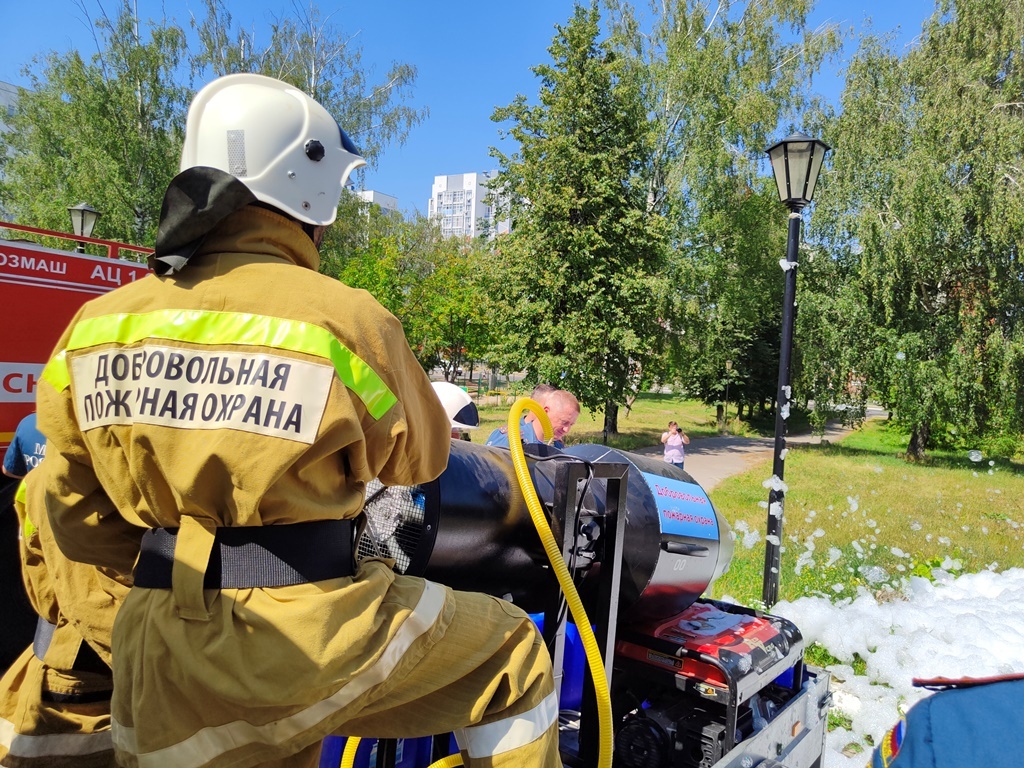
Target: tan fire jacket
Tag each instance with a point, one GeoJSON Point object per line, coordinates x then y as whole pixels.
{"type": "Point", "coordinates": [52, 714]}
{"type": "Point", "coordinates": [248, 390]}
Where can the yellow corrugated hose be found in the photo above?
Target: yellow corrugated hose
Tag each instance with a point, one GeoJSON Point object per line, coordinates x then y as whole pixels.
{"type": "Point", "coordinates": [348, 757]}
{"type": "Point", "coordinates": [604, 702]}
{"type": "Point", "coordinates": [448, 762]}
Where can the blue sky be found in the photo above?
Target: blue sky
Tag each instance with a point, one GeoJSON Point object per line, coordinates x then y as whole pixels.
{"type": "Point", "coordinates": [472, 56]}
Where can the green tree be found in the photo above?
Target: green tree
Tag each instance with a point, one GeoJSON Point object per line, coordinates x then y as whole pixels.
{"type": "Point", "coordinates": [452, 325]}
{"type": "Point", "coordinates": [719, 80]}
{"type": "Point", "coordinates": [364, 250]}
{"type": "Point", "coordinates": [106, 130]}
{"type": "Point", "coordinates": [574, 298]}
{"type": "Point", "coordinates": [310, 52]}
{"type": "Point", "coordinates": [924, 214]}
{"type": "Point", "coordinates": [432, 284]}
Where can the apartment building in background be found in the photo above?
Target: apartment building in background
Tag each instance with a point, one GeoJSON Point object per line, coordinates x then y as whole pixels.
{"type": "Point", "coordinates": [461, 202]}
{"type": "Point", "coordinates": [8, 106]}
{"type": "Point", "coordinates": [387, 203]}
{"type": "Point", "coordinates": [8, 103]}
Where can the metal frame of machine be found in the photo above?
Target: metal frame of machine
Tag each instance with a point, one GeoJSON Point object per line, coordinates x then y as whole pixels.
{"type": "Point", "coordinates": [579, 746]}
{"type": "Point", "coordinates": [794, 735]}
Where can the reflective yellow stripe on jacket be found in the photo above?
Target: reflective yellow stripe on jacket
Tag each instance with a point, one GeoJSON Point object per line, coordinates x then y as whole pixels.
{"type": "Point", "coordinates": [223, 328]}
{"type": "Point", "coordinates": [20, 497]}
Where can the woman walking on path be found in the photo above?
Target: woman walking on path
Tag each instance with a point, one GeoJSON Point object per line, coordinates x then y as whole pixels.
{"type": "Point", "coordinates": [674, 440]}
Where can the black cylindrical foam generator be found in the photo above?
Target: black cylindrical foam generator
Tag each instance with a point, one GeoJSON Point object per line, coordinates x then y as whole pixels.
{"type": "Point", "coordinates": [471, 529]}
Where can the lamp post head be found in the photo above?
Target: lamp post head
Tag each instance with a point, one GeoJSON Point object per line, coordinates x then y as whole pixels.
{"type": "Point", "coordinates": [83, 219]}
{"type": "Point", "coordinates": [796, 162]}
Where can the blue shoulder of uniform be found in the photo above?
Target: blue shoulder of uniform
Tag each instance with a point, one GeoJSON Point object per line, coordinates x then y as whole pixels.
{"type": "Point", "coordinates": [970, 723]}
{"type": "Point", "coordinates": [889, 749]}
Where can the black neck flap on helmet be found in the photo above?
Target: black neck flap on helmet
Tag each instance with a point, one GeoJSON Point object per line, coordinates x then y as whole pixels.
{"type": "Point", "coordinates": [196, 201]}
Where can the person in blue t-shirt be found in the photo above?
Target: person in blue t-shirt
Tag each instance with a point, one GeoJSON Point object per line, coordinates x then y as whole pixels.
{"type": "Point", "coordinates": [562, 409]}
{"type": "Point", "coordinates": [968, 723]}
{"type": "Point", "coordinates": [26, 450]}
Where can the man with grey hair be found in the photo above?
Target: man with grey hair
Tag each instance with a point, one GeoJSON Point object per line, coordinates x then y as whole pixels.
{"type": "Point", "coordinates": [562, 408]}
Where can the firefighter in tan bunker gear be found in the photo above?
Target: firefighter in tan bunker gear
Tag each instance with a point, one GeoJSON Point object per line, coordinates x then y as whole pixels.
{"type": "Point", "coordinates": [218, 421]}
{"type": "Point", "coordinates": [55, 699]}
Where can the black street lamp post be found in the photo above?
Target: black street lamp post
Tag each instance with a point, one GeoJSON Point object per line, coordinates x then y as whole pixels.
{"type": "Point", "coordinates": [796, 161]}
{"type": "Point", "coordinates": [83, 219]}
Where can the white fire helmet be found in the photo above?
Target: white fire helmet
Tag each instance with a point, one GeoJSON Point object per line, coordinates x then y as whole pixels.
{"type": "Point", "coordinates": [284, 146]}
{"type": "Point", "coordinates": [458, 405]}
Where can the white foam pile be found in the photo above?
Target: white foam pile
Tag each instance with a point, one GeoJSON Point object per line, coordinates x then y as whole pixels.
{"type": "Point", "coordinates": [970, 626]}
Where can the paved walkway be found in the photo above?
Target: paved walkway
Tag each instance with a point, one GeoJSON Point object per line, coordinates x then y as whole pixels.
{"type": "Point", "coordinates": [710, 460]}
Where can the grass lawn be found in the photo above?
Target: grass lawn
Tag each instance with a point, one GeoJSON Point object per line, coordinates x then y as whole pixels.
{"type": "Point", "coordinates": [859, 515]}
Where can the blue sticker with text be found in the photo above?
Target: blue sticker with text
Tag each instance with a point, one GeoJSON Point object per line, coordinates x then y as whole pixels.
{"type": "Point", "coordinates": [684, 508]}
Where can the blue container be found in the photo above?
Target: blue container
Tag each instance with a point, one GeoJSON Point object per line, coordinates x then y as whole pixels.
{"type": "Point", "coordinates": [330, 751]}
{"type": "Point", "coordinates": [573, 664]}
{"type": "Point", "coordinates": [785, 680]}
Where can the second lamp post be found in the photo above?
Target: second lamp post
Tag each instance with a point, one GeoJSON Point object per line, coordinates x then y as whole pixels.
{"type": "Point", "coordinates": [83, 219]}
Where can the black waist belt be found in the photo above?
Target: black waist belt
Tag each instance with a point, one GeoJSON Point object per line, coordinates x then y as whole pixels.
{"type": "Point", "coordinates": [251, 557]}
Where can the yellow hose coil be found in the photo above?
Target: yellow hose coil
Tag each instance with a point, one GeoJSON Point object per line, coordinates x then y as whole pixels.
{"type": "Point", "coordinates": [348, 757]}
{"type": "Point", "coordinates": [604, 702]}
{"type": "Point", "coordinates": [448, 762]}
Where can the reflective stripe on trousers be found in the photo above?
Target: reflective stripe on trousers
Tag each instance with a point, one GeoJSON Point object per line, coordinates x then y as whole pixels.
{"type": "Point", "coordinates": [511, 733]}
{"type": "Point", "coordinates": [43, 637]}
{"type": "Point", "coordinates": [53, 745]}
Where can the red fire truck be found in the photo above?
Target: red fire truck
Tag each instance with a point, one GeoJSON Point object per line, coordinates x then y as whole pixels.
{"type": "Point", "coordinates": [40, 290]}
